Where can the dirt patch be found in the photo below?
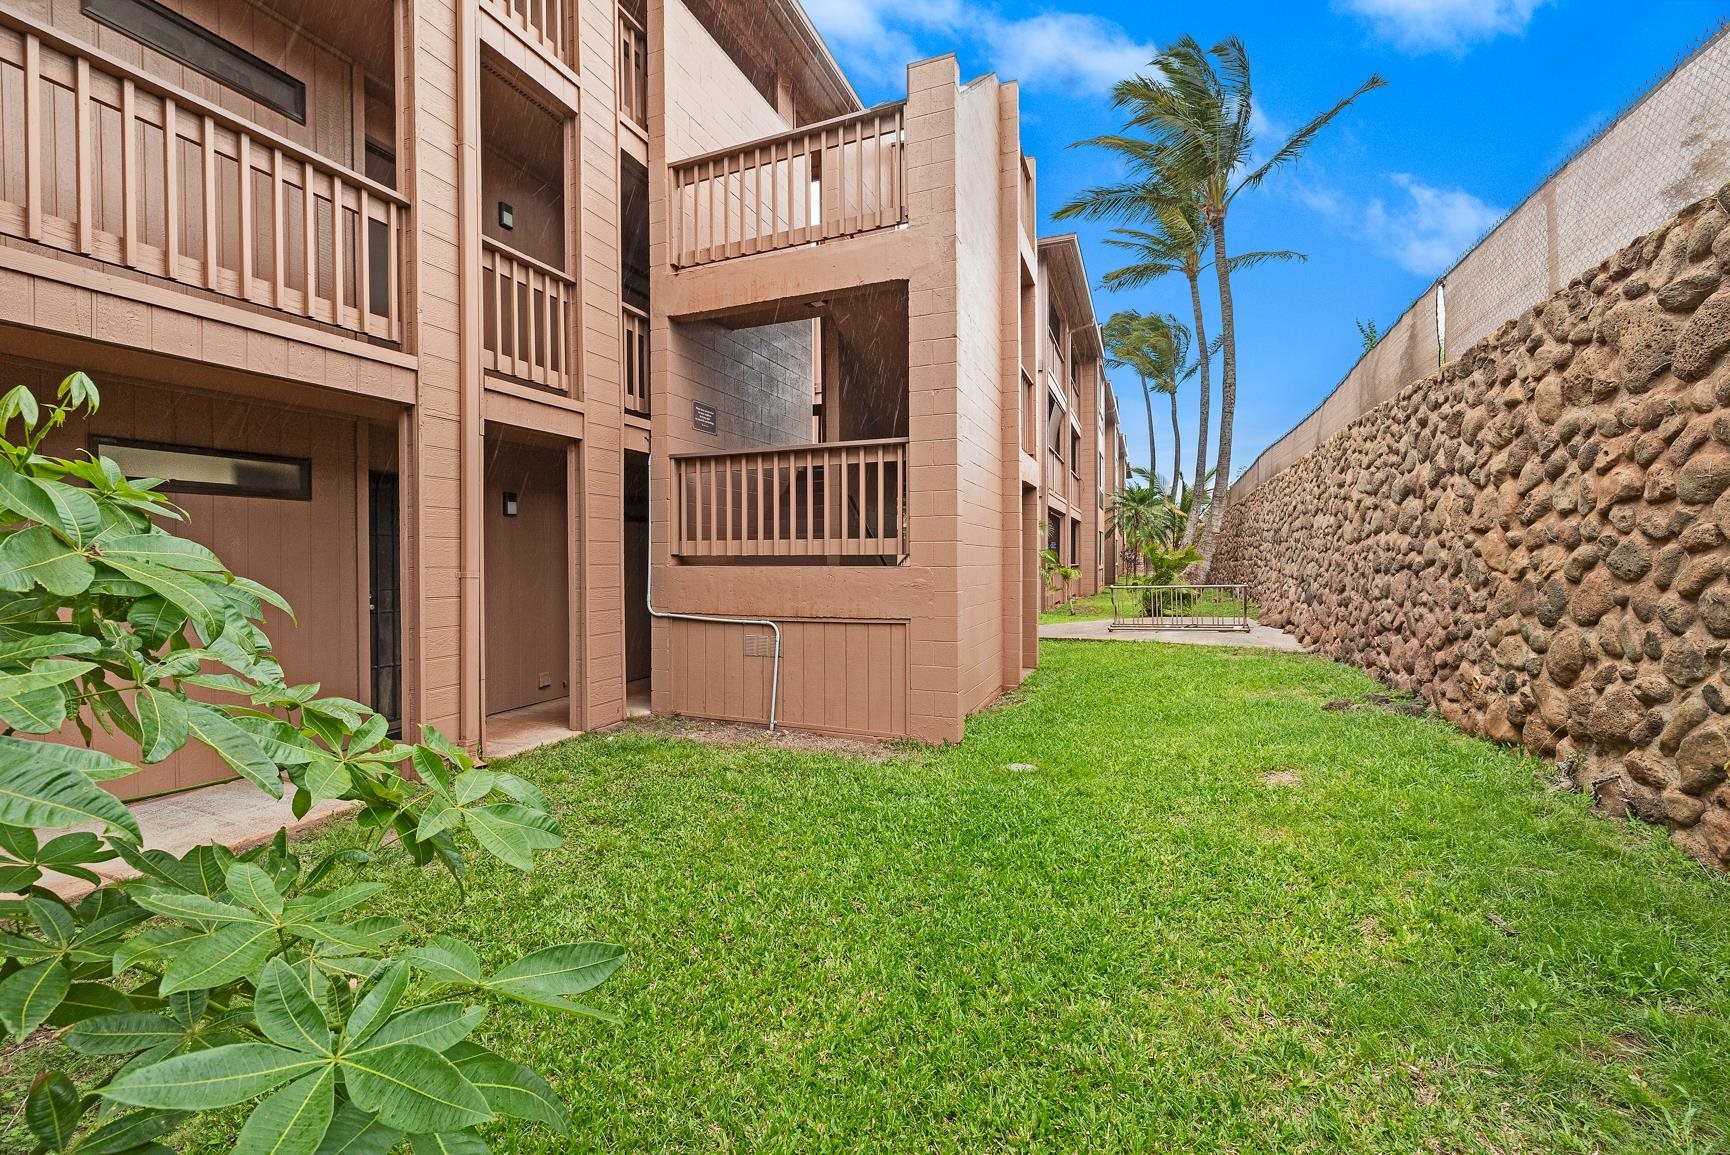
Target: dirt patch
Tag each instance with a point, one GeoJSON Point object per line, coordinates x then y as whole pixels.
{"type": "Point", "coordinates": [739, 734]}
{"type": "Point", "coordinates": [1408, 704]}
{"type": "Point", "coordinates": [1286, 777]}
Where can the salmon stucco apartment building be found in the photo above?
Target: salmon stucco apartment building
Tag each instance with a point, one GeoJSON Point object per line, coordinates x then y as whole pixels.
{"type": "Point", "coordinates": [555, 355]}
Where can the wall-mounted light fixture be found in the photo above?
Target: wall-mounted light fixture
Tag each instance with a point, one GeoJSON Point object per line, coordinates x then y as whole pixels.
{"type": "Point", "coordinates": [507, 215]}
{"type": "Point", "coordinates": [510, 504]}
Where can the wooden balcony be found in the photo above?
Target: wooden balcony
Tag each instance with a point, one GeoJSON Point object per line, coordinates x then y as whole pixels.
{"type": "Point", "coordinates": [808, 501]}
{"type": "Point", "coordinates": [547, 24]}
{"type": "Point", "coordinates": [526, 318]}
{"type": "Point", "coordinates": [634, 350]}
{"type": "Point", "coordinates": [819, 183]}
{"type": "Point", "coordinates": [633, 69]}
{"type": "Point", "coordinates": [97, 158]}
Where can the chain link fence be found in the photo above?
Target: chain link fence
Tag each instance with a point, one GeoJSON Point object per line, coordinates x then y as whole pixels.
{"type": "Point", "coordinates": [1666, 149]}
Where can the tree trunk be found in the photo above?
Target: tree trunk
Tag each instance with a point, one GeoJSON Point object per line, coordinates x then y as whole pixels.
{"type": "Point", "coordinates": [1227, 394]}
{"type": "Point", "coordinates": [1176, 451]}
{"type": "Point", "coordinates": [1152, 456]}
{"type": "Point", "coordinates": [1192, 528]}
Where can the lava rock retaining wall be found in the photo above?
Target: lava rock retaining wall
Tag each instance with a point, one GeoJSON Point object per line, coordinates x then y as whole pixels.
{"type": "Point", "coordinates": [1537, 538]}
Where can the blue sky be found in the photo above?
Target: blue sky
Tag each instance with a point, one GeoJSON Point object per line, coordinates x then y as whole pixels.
{"type": "Point", "coordinates": [1485, 97]}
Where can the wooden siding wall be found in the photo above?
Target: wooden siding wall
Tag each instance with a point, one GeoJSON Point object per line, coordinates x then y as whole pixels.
{"type": "Point", "coordinates": [308, 551]}
{"type": "Point", "coordinates": [847, 677]}
{"type": "Point", "coordinates": [527, 622]}
{"type": "Point", "coordinates": [330, 77]}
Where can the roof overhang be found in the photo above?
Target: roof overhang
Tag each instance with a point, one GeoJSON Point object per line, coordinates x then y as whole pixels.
{"type": "Point", "coordinates": [775, 38]}
{"type": "Point", "coordinates": [1068, 279]}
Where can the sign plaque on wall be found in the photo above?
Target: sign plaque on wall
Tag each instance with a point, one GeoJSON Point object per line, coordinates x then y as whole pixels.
{"type": "Point", "coordinates": [702, 417]}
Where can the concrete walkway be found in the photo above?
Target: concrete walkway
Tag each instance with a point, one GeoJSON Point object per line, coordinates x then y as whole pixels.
{"type": "Point", "coordinates": [1259, 637]}
{"type": "Point", "coordinates": [237, 814]}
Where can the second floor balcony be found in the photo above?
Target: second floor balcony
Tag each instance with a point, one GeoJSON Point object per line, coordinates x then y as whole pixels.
{"type": "Point", "coordinates": [101, 159]}
{"type": "Point", "coordinates": [811, 185]}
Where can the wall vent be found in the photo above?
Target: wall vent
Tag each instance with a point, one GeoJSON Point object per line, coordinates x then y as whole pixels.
{"type": "Point", "coordinates": [759, 645]}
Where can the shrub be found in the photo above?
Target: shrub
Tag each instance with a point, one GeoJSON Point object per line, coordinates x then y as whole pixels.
{"type": "Point", "coordinates": [219, 979]}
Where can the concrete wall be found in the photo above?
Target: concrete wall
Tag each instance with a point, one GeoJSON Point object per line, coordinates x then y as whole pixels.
{"type": "Point", "coordinates": [1669, 148]}
{"type": "Point", "coordinates": [1537, 538]}
{"type": "Point", "coordinates": [757, 379]}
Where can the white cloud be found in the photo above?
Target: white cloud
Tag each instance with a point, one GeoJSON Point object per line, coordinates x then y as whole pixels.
{"type": "Point", "coordinates": [1070, 51]}
{"type": "Point", "coordinates": [1430, 228]}
{"type": "Point", "coordinates": [1444, 25]}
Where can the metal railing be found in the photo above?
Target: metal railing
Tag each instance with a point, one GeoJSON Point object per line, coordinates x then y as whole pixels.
{"type": "Point", "coordinates": [816, 501]}
{"type": "Point", "coordinates": [633, 70]}
{"type": "Point", "coordinates": [1208, 607]}
{"type": "Point", "coordinates": [818, 183]}
{"type": "Point", "coordinates": [104, 160]}
{"type": "Point", "coordinates": [634, 336]}
{"type": "Point", "coordinates": [526, 317]}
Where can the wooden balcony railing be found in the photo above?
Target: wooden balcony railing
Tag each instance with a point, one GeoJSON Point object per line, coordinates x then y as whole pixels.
{"type": "Point", "coordinates": [633, 69]}
{"type": "Point", "coordinates": [98, 158]}
{"type": "Point", "coordinates": [819, 183]}
{"type": "Point", "coordinates": [816, 501]}
{"type": "Point", "coordinates": [634, 333]}
{"type": "Point", "coordinates": [526, 317]}
{"type": "Point", "coordinates": [544, 23]}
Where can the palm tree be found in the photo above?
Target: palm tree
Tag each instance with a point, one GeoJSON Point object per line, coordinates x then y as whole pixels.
{"type": "Point", "coordinates": [1176, 241]}
{"type": "Point", "coordinates": [1127, 337]}
{"type": "Point", "coordinates": [1193, 114]}
{"type": "Point", "coordinates": [1140, 516]}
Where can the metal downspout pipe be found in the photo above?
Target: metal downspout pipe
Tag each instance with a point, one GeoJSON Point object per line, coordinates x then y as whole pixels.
{"type": "Point", "coordinates": [775, 680]}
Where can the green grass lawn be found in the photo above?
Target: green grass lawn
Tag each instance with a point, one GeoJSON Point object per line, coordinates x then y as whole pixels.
{"type": "Point", "coordinates": [1407, 944]}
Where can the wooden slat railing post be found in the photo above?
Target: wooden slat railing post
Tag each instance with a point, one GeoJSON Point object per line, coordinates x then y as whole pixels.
{"type": "Point", "coordinates": [32, 138]}
{"type": "Point", "coordinates": [207, 174]}
{"type": "Point", "coordinates": [129, 174]}
{"type": "Point", "coordinates": [86, 161]}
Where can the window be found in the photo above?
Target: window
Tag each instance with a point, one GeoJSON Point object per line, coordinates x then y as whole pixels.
{"type": "Point", "coordinates": [197, 47]}
{"type": "Point", "coordinates": [1074, 543]}
{"type": "Point", "coordinates": [192, 470]}
{"type": "Point", "coordinates": [634, 232]}
{"type": "Point", "coordinates": [1054, 536]}
{"type": "Point", "coordinates": [1075, 453]}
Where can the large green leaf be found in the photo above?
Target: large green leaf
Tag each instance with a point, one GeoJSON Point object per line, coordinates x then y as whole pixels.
{"type": "Point", "coordinates": [446, 960]}
{"type": "Point", "coordinates": [29, 996]}
{"type": "Point", "coordinates": [570, 969]}
{"type": "Point", "coordinates": [234, 745]}
{"type": "Point", "coordinates": [253, 886]}
{"type": "Point", "coordinates": [44, 785]}
{"type": "Point", "coordinates": [512, 832]}
{"type": "Point", "coordinates": [309, 907]}
{"type": "Point", "coordinates": [129, 1134]}
{"type": "Point", "coordinates": [512, 1089]}
{"type": "Point", "coordinates": [219, 958]}
{"type": "Point", "coordinates": [206, 1080]}
{"type": "Point", "coordinates": [194, 907]}
{"type": "Point", "coordinates": [357, 1132]}
{"type": "Point", "coordinates": [292, 1121]}
{"type": "Point", "coordinates": [376, 1005]}
{"type": "Point", "coordinates": [52, 1110]}
{"type": "Point", "coordinates": [35, 557]}
{"type": "Point", "coordinates": [288, 1013]}
{"type": "Point", "coordinates": [163, 549]}
{"type": "Point", "coordinates": [413, 1089]}
{"type": "Point", "coordinates": [68, 510]}
{"type": "Point", "coordinates": [35, 711]}
{"type": "Point", "coordinates": [436, 1027]}
{"type": "Point", "coordinates": [85, 1001]}
{"type": "Point", "coordinates": [162, 723]}
{"type": "Point", "coordinates": [60, 644]}
{"type": "Point", "coordinates": [192, 594]}
{"type": "Point", "coordinates": [123, 1034]}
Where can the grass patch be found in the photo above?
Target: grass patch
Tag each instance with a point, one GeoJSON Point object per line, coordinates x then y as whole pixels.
{"type": "Point", "coordinates": [1407, 945]}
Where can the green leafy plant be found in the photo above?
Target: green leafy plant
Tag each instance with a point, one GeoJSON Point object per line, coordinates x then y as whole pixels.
{"type": "Point", "coordinates": [1057, 575]}
{"type": "Point", "coordinates": [218, 979]}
